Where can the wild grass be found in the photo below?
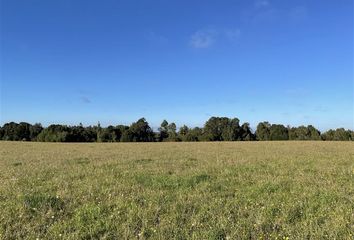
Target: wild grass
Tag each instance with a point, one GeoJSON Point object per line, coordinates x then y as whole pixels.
{"type": "Point", "coordinates": [219, 190]}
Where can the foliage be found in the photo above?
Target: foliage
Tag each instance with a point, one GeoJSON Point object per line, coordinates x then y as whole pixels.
{"type": "Point", "coordinates": [304, 133]}
{"type": "Point", "coordinates": [140, 131]}
{"type": "Point", "coordinates": [263, 131]}
{"type": "Point", "coordinates": [215, 129]}
{"type": "Point", "coordinates": [225, 129]}
{"type": "Point", "coordinates": [340, 134]}
{"type": "Point", "coordinates": [267, 131]}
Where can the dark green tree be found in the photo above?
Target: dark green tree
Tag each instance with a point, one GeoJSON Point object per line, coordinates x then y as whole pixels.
{"type": "Point", "coordinates": [172, 132]}
{"type": "Point", "coordinates": [278, 132]}
{"type": "Point", "coordinates": [163, 131]}
{"type": "Point", "coordinates": [10, 132]}
{"type": "Point", "coordinates": [183, 131]}
{"type": "Point", "coordinates": [141, 131]}
{"type": "Point", "coordinates": [55, 133]}
{"type": "Point", "coordinates": [1, 133]}
{"type": "Point", "coordinates": [108, 134]}
{"type": "Point", "coordinates": [340, 134]}
{"type": "Point", "coordinates": [222, 129]}
{"type": "Point", "coordinates": [315, 134]}
{"type": "Point", "coordinates": [231, 130]}
{"type": "Point", "coordinates": [194, 135]}
{"type": "Point", "coordinates": [35, 130]}
{"type": "Point", "coordinates": [263, 131]}
{"type": "Point", "coordinates": [23, 131]}
{"type": "Point", "coordinates": [246, 133]}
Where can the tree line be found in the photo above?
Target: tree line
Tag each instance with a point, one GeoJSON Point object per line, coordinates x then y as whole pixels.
{"type": "Point", "coordinates": [214, 129]}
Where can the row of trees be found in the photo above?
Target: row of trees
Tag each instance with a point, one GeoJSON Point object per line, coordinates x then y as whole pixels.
{"type": "Point", "coordinates": [267, 131]}
{"type": "Point", "coordinates": [215, 129]}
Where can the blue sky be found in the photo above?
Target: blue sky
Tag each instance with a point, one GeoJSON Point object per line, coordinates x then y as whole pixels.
{"type": "Point", "coordinates": [288, 62]}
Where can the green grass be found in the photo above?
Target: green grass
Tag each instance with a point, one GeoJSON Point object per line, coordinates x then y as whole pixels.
{"type": "Point", "coordinates": [229, 190]}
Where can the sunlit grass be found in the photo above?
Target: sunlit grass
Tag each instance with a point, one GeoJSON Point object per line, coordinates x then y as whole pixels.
{"type": "Point", "coordinates": [228, 190]}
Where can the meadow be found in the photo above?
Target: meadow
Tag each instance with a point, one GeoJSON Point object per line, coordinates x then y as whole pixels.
{"type": "Point", "coordinates": [215, 190]}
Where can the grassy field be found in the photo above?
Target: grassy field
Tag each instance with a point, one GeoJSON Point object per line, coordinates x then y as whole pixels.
{"type": "Point", "coordinates": [235, 190]}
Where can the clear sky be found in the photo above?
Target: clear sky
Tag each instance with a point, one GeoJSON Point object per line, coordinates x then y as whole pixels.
{"type": "Point", "coordinates": [289, 62]}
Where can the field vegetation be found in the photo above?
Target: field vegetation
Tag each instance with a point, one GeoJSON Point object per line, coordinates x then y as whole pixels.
{"type": "Point", "coordinates": [205, 190]}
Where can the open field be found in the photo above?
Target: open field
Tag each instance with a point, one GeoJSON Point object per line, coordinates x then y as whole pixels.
{"type": "Point", "coordinates": [228, 190]}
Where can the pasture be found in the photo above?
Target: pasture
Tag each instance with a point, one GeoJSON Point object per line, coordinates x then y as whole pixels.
{"type": "Point", "coordinates": [215, 190]}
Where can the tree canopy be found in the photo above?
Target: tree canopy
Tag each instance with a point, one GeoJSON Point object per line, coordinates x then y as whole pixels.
{"type": "Point", "coordinates": [214, 129]}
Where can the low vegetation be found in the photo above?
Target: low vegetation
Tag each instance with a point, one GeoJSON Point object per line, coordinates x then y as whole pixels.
{"type": "Point", "coordinates": [208, 190]}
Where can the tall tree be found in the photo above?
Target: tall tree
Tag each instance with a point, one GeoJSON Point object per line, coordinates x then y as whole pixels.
{"type": "Point", "coordinates": [340, 134]}
{"type": "Point", "coordinates": [222, 129]}
{"type": "Point", "coordinates": [1, 133]}
{"type": "Point", "coordinates": [194, 135]}
{"type": "Point", "coordinates": [246, 133]}
{"type": "Point", "coordinates": [315, 134]}
{"type": "Point", "coordinates": [172, 132]}
{"type": "Point", "coordinates": [55, 133]}
{"type": "Point", "coordinates": [231, 130]}
{"type": "Point", "coordinates": [278, 132]}
{"type": "Point", "coordinates": [141, 131]}
{"type": "Point", "coordinates": [263, 131]}
{"type": "Point", "coordinates": [10, 132]}
{"type": "Point", "coordinates": [163, 131]}
{"type": "Point", "coordinates": [35, 130]}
